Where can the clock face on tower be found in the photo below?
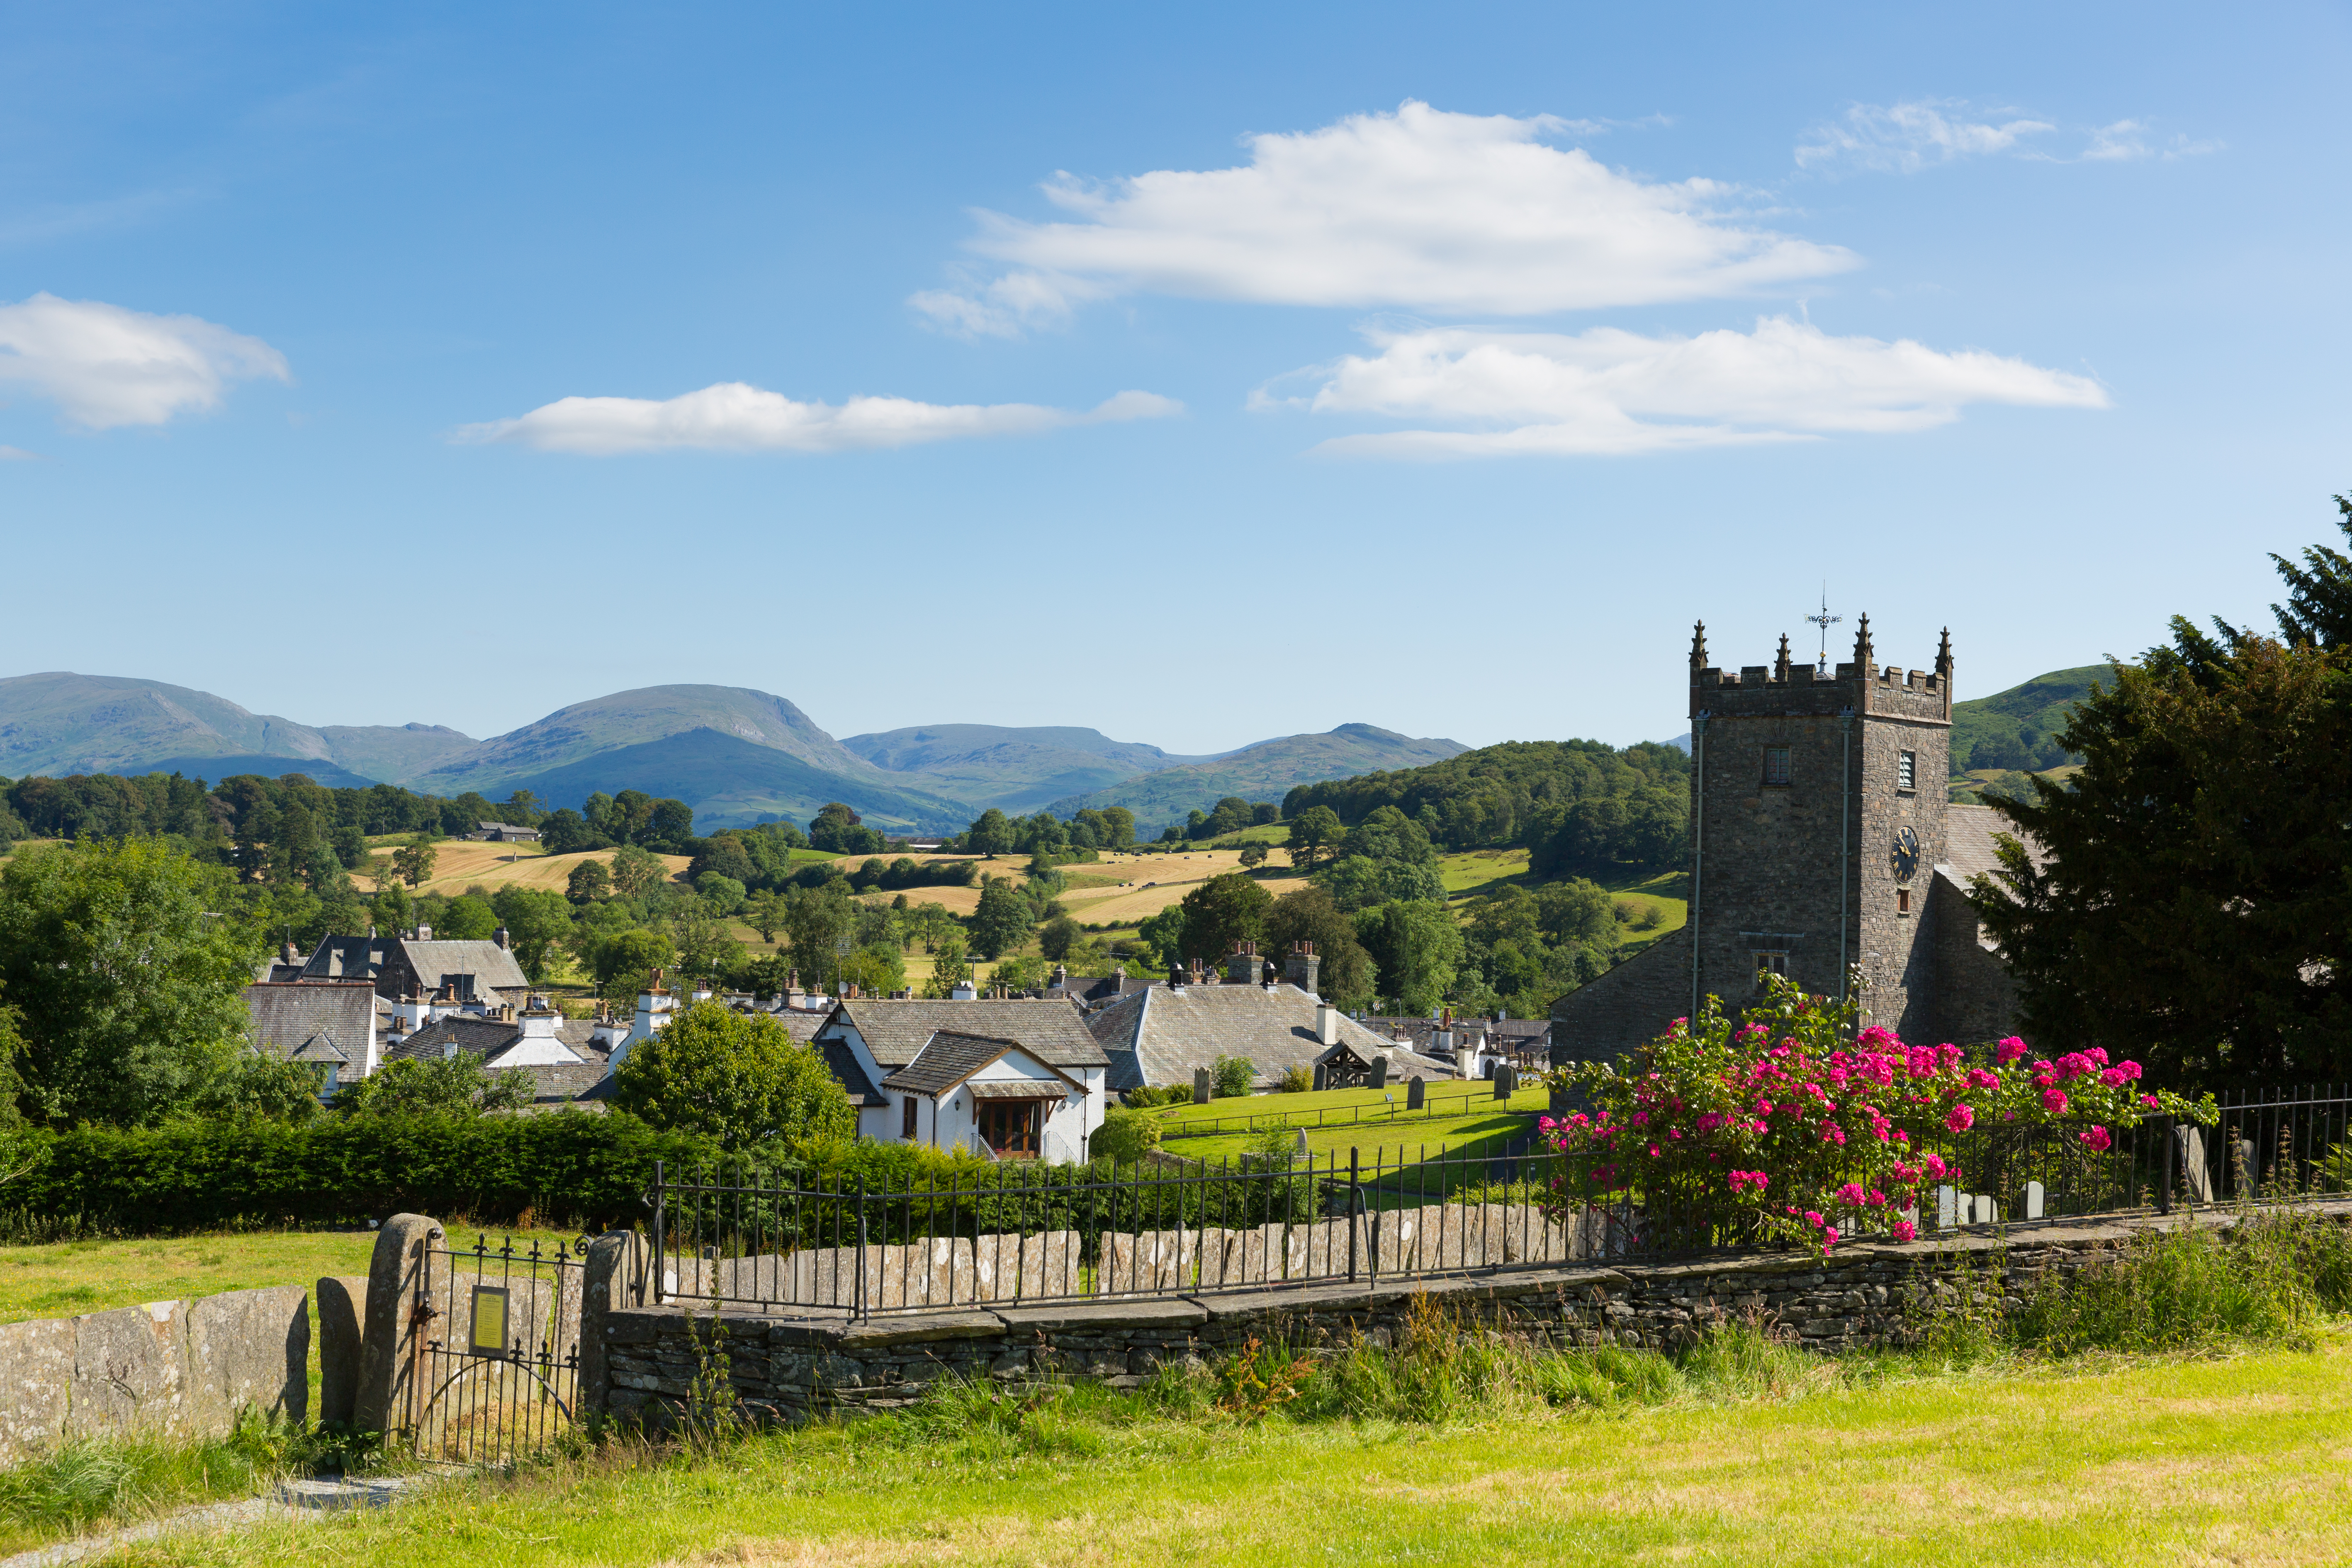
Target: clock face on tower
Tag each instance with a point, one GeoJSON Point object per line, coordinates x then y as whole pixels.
{"type": "Point", "coordinates": [1907, 854]}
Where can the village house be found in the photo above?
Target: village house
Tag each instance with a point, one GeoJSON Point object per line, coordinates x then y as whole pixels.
{"type": "Point", "coordinates": [1009, 1079]}
{"type": "Point", "coordinates": [419, 974]}
{"type": "Point", "coordinates": [501, 833]}
{"type": "Point", "coordinates": [559, 1052]}
{"type": "Point", "coordinates": [1163, 1033]}
{"type": "Point", "coordinates": [328, 1024]}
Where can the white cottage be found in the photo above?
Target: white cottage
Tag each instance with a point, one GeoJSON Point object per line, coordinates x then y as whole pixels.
{"type": "Point", "coordinates": [1012, 1079]}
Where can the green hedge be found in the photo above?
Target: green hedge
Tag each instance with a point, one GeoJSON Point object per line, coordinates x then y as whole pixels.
{"type": "Point", "coordinates": [567, 1168]}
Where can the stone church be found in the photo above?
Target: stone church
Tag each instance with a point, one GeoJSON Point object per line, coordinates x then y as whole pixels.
{"type": "Point", "coordinates": [1821, 838]}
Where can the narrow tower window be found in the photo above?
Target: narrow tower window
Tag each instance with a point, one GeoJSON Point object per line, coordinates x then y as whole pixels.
{"type": "Point", "coordinates": [1907, 770]}
{"type": "Point", "coordinates": [1776, 765]}
{"type": "Point", "coordinates": [1769, 963]}
{"type": "Point", "coordinates": [907, 1117]}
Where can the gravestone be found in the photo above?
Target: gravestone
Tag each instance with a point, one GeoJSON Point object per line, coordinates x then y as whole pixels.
{"type": "Point", "coordinates": [1201, 1087]}
{"type": "Point", "coordinates": [2188, 1154]}
{"type": "Point", "coordinates": [1417, 1093]}
{"type": "Point", "coordinates": [1322, 1077]}
{"type": "Point", "coordinates": [1506, 1080]}
{"type": "Point", "coordinates": [1379, 1072]}
{"type": "Point", "coordinates": [342, 1317]}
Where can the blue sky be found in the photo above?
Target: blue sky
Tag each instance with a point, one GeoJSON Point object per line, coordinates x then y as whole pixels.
{"type": "Point", "coordinates": [1243, 371]}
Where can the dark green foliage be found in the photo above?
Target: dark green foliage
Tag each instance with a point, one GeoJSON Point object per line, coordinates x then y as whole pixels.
{"type": "Point", "coordinates": [127, 988]}
{"type": "Point", "coordinates": [439, 1086]}
{"type": "Point", "coordinates": [1060, 935]}
{"type": "Point", "coordinates": [736, 1079]}
{"type": "Point", "coordinates": [2273, 1278]}
{"type": "Point", "coordinates": [536, 918]}
{"type": "Point", "coordinates": [1230, 1076]}
{"type": "Point", "coordinates": [568, 1167]}
{"type": "Point", "coordinates": [839, 831]}
{"type": "Point", "coordinates": [1527, 793]}
{"type": "Point", "coordinates": [2195, 909]}
{"type": "Point", "coordinates": [1124, 1136]}
{"type": "Point", "coordinates": [1345, 976]}
{"type": "Point", "coordinates": [1003, 919]}
{"type": "Point", "coordinates": [1221, 913]}
{"type": "Point", "coordinates": [257, 1087]}
{"type": "Point", "coordinates": [1417, 949]}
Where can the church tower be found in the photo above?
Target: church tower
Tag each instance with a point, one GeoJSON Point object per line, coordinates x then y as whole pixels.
{"type": "Point", "coordinates": [1817, 818]}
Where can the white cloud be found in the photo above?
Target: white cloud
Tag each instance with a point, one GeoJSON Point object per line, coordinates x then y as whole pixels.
{"type": "Point", "coordinates": [2126, 139]}
{"type": "Point", "coordinates": [1608, 391]}
{"type": "Point", "coordinates": [18, 455]}
{"type": "Point", "coordinates": [1419, 209]}
{"type": "Point", "coordinates": [104, 365]}
{"type": "Point", "coordinates": [734, 417]}
{"type": "Point", "coordinates": [1905, 138]}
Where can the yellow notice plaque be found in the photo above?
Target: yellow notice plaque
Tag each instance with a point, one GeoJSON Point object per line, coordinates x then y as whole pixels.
{"type": "Point", "coordinates": [489, 1335]}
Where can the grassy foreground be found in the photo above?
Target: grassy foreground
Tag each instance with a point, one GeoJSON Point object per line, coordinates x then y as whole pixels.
{"type": "Point", "coordinates": [2234, 1459]}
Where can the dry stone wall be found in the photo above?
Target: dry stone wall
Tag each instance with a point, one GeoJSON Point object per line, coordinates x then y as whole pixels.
{"type": "Point", "coordinates": [782, 1367]}
{"type": "Point", "coordinates": [167, 1369]}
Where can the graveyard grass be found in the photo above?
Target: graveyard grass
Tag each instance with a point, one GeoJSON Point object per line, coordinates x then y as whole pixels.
{"type": "Point", "coordinates": [2231, 1459]}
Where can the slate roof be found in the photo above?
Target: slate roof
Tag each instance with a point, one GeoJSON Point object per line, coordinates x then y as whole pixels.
{"type": "Point", "coordinates": [557, 1083]}
{"type": "Point", "coordinates": [1160, 1036]}
{"type": "Point", "coordinates": [490, 964]}
{"type": "Point", "coordinates": [311, 1021]}
{"type": "Point", "coordinates": [952, 1058]}
{"type": "Point", "coordinates": [471, 1033]}
{"type": "Point", "coordinates": [895, 1031]}
{"type": "Point", "coordinates": [1969, 850]}
{"type": "Point", "coordinates": [1517, 1035]}
{"type": "Point", "coordinates": [366, 957]}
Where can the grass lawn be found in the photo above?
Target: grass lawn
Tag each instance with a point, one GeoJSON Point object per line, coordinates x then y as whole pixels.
{"type": "Point", "coordinates": [1391, 1144]}
{"type": "Point", "coordinates": [2233, 1459]}
{"type": "Point", "coordinates": [1335, 1106]}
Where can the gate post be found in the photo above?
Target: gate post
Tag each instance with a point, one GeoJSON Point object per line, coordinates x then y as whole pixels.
{"type": "Point", "coordinates": [404, 1296]}
{"type": "Point", "coordinates": [614, 1277]}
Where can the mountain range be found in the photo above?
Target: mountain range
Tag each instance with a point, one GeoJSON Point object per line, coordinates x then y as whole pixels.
{"type": "Point", "coordinates": [736, 755]}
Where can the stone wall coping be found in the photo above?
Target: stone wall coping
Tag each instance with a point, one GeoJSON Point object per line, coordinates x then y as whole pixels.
{"type": "Point", "coordinates": [1166, 1312]}
{"type": "Point", "coordinates": [876, 1332]}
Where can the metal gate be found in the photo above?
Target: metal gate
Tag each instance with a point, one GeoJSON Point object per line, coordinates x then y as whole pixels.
{"type": "Point", "coordinates": [498, 1363]}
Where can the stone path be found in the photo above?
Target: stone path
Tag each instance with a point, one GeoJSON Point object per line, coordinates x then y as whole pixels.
{"type": "Point", "coordinates": [302, 1500]}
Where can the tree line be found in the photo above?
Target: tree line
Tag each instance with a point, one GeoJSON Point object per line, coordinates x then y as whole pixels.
{"type": "Point", "coordinates": [1575, 805]}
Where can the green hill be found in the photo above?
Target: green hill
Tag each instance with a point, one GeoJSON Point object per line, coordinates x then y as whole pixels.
{"type": "Point", "coordinates": [1016, 770]}
{"type": "Point", "coordinates": [61, 723]}
{"type": "Point", "coordinates": [2015, 729]}
{"type": "Point", "coordinates": [1266, 771]}
{"type": "Point", "coordinates": [734, 782]}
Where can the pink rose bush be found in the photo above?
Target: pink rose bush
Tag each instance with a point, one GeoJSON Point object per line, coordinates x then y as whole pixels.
{"type": "Point", "coordinates": [1792, 1127]}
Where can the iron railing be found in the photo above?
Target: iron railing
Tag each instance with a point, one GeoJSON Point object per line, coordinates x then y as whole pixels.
{"type": "Point", "coordinates": [1371, 1113]}
{"type": "Point", "coordinates": [1029, 1232]}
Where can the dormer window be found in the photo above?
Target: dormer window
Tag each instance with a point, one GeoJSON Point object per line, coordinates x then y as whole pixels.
{"type": "Point", "coordinates": [1776, 766]}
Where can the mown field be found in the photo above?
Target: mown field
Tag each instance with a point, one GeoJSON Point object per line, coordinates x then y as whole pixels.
{"type": "Point", "coordinates": [1752, 1458]}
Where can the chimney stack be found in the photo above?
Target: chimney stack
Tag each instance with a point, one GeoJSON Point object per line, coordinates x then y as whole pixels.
{"type": "Point", "coordinates": [502, 939]}
{"type": "Point", "coordinates": [1303, 968]}
{"type": "Point", "coordinates": [1243, 967]}
{"type": "Point", "coordinates": [1327, 1023]}
{"type": "Point", "coordinates": [424, 933]}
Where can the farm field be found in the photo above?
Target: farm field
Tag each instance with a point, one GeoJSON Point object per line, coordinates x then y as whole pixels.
{"type": "Point", "coordinates": [2146, 1461]}
{"type": "Point", "coordinates": [457, 865]}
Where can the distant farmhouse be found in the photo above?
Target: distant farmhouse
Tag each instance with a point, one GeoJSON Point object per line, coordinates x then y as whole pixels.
{"type": "Point", "coordinates": [501, 833]}
{"type": "Point", "coordinates": [1821, 838]}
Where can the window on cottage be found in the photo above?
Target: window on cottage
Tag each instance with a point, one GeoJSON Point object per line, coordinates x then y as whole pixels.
{"type": "Point", "coordinates": [906, 1116]}
{"type": "Point", "coordinates": [1769, 963]}
{"type": "Point", "coordinates": [1776, 765]}
{"type": "Point", "coordinates": [1907, 770]}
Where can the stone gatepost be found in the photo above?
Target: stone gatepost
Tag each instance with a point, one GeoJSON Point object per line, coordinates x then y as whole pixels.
{"type": "Point", "coordinates": [618, 1276]}
{"type": "Point", "coordinates": [407, 1289]}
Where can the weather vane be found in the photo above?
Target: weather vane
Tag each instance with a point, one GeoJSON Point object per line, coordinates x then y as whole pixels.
{"type": "Point", "coordinates": [1825, 621]}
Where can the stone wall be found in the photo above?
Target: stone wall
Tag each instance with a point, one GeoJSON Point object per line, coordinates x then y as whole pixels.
{"type": "Point", "coordinates": [781, 1368]}
{"type": "Point", "coordinates": [167, 1369]}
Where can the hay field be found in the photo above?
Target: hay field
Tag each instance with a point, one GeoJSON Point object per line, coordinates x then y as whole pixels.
{"type": "Point", "coordinates": [457, 866]}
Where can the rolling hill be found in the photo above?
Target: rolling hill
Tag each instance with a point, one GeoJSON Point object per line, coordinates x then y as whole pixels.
{"type": "Point", "coordinates": [59, 722]}
{"type": "Point", "coordinates": [732, 783]}
{"type": "Point", "coordinates": [1015, 770]}
{"type": "Point", "coordinates": [1266, 771]}
{"type": "Point", "coordinates": [2014, 727]}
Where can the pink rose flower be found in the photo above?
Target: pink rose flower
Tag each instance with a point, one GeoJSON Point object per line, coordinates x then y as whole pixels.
{"type": "Point", "coordinates": [1851, 1194]}
{"type": "Point", "coordinates": [2098, 1138]}
{"type": "Point", "coordinates": [1980, 1077]}
{"type": "Point", "coordinates": [1904, 1230]}
{"type": "Point", "coordinates": [2009, 1050]}
{"type": "Point", "coordinates": [2054, 1101]}
{"type": "Point", "coordinates": [1960, 1119]}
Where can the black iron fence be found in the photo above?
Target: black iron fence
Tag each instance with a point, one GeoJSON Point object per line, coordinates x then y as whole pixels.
{"type": "Point", "coordinates": [1029, 1232]}
{"type": "Point", "coordinates": [1477, 1099]}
